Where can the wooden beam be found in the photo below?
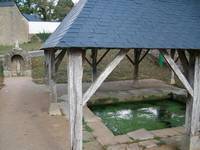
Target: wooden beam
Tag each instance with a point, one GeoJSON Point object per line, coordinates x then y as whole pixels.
{"type": "Point", "coordinates": [177, 71]}
{"type": "Point", "coordinates": [75, 74]}
{"type": "Point", "coordinates": [95, 85]}
{"type": "Point", "coordinates": [59, 59]}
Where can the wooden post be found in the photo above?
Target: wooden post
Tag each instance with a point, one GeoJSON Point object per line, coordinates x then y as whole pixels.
{"type": "Point", "coordinates": [137, 54]}
{"type": "Point", "coordinates": [46, 66]}
{"type": "Point", "coordinates": [51, 75]}
{"type": "Point", "coordinates": [75, 74]}
{"type": "Point", "coordinates": [193, 104]}
{"type": "Point", "coordinates": [94, 63]}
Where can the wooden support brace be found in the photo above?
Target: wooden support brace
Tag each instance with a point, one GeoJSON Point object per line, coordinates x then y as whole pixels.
{"type": "Point", "coordinates": [95, 85]}
{"type": "Point", "coordinates": [177, 71]}
{"type": "Point", "coordinates": [75, 74]}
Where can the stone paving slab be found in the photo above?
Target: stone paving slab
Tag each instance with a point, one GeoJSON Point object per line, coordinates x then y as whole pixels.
{"type": "Point", "coordinates": [121, 139]}
{"type": "Point", "coordinates": [141, 134]}
{"type": "Point", "coordinates": [168, 132]}
{"type": "Point", "coordinates": [94, 145]}
{"type": "Point", "coordinates": [149, 143]}
{"type": "Point", "coordinates": [133, 146]}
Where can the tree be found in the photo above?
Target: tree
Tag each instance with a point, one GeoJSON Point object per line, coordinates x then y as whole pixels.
{"type": "Point", "coordinates": [62, 9]}
{"type": "Point", "coordinates": [48, 10]}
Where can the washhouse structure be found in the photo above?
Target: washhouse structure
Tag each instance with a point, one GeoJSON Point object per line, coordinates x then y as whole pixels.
{"type": "Point", "coordinates": [128, 25]}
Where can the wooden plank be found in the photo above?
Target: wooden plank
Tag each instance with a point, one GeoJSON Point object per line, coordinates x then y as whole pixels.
{"type": "Point", "coordinates": [75, 74]}
{"type": "Point", "coordinates": [95, 85]}
{"type": "Point", "coordinates": [177, 71]}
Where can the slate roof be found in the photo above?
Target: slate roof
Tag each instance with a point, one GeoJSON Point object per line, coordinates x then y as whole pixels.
{"type": "Point", "coordinates": [7, 3]}
{"type": "Point", "coordinates": [130, 24]}
{"type": "Point", "coordinates": [32, 17]}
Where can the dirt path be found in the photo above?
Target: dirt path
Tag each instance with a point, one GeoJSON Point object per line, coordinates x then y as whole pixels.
{"type": "Point", "coordinates": [24, 122]}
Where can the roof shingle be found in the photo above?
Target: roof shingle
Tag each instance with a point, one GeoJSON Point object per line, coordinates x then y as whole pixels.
{"type": "Point", "coordinates": [130, 24]}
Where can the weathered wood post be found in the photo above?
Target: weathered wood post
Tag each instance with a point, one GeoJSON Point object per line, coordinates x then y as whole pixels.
{"type": "Point", "coordinates": [94, 63]}
{"type": "Point", "coordinates": [137, 53]}
{"type": "Point", "coordinates": [51, 75]}
{"type": "Point", "coordinates": [75, 74]}
{"type": "Point", "coordinates": [193, 105]}
{"type": "Point", "coordinates": [46, 66]}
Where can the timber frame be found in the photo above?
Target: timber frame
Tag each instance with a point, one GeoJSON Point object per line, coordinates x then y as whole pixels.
{"type": "Point", "coordinates": [190, 78]}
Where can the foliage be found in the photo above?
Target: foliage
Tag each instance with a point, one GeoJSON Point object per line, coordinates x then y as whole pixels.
{"type": "Point", "coordinates": [43, 36]}
{"type": "Point", "coordinates": [62, 8]}
{"type": "Point", "coordinates": [48, 10]}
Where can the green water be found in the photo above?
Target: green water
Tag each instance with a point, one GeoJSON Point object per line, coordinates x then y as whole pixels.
{"type": "Point", "coordinates": [124, 118]}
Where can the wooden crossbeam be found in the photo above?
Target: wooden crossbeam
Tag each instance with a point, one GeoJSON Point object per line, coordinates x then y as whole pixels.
{"type": "Point", "coordinates": [95, 85]}
{"type": "Point", "coordinates": [177, 71]}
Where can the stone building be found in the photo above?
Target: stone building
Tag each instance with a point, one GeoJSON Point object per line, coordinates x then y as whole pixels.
{"type": "Point", "coordinates": [13, 25]}
{"type": "Point", "coordinates": [17, 63]}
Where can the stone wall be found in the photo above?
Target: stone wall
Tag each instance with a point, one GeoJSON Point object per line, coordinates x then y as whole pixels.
{"type": "Point", "coordinates": [13, 26]}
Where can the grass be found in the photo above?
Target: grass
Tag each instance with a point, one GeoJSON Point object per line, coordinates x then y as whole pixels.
{"type": "Point", "coordinates": [149, 68]}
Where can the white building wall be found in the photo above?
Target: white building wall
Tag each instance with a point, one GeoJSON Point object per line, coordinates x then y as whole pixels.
{"type": "Point", "coordinates": [42, 27]}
